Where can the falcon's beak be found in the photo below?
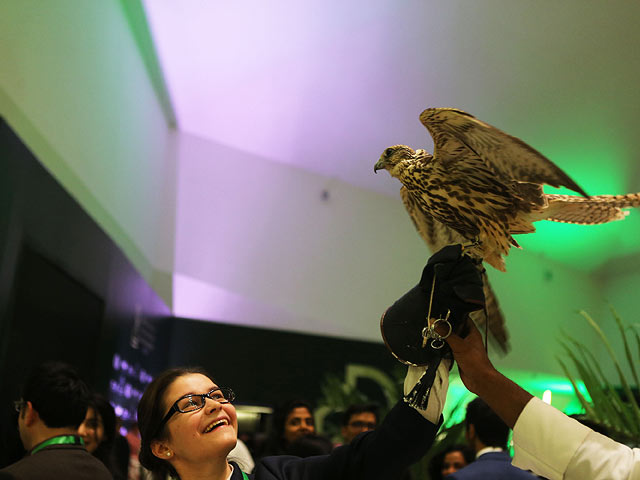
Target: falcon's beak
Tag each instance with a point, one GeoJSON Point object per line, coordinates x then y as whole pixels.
{"type": "Point", "coordinates": [380, 165]}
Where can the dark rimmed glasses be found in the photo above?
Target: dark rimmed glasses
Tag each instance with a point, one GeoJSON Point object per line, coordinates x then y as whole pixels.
{"type": "Point", "coordinates": [18, 404]}
{"type": "Point", "coordinates": [195, 401]}
{"type": "Point", "coordinates": [360, 424]}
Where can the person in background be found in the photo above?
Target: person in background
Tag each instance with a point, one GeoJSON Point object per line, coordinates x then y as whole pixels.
{"type": "Point", "coordinates": [487, 434]}
{"type": "Point", "coordinates": [450, 460]}
{"type": "Point", "coordinates": [358, 419]}
{"type": "Point", "coordinates": [292, 420]}
{"type": "Point", "coordinates": [53, 404]}
{"type": "Point", "coordinates": [98, 430]}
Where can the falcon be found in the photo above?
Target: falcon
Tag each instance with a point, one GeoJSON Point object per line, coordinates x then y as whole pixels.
{"type": "Point", "coordinates": [480, 187]}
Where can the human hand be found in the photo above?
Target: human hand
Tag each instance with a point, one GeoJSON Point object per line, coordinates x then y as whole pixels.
{"type": "Point", "coordinates": [473, 362]}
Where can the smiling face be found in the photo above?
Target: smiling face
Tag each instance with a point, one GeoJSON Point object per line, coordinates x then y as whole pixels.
{"type": "Point", "coordinates": [91, 430]}
{"type": "Point", "coordinates": [202, 436]}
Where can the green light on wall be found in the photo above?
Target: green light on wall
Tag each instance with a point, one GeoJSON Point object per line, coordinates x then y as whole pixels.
{"type": "Point", "coordinates": [600, 166]}
{"type": "Point", "coordinates": [562, 395]}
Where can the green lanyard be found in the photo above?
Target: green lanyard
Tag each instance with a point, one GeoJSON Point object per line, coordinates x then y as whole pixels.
{"type": "Point", "coordinates": [59, 440]}
{"type": "Point", "coordinates": [244, 475]}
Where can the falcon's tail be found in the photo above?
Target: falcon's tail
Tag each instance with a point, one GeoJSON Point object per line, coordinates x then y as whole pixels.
{"type": "Point", "coordinates": [590, 210]}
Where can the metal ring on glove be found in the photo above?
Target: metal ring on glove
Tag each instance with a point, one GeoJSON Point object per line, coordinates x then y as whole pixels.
{"type": "Point", "coordinates": [429, 332]}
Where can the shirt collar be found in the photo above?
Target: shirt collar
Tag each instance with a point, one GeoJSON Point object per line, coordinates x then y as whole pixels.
{"type": "Point", "coordinates": [488, 450]}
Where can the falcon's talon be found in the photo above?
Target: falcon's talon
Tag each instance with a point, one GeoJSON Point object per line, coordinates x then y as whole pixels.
{"type": "Point", "coordinates": [469, 245]}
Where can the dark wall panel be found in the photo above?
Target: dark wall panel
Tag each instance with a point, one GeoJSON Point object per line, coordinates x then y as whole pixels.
{"type": "Point", "coordinates": [67, 292]}
{"type": "Point", "coordinates": [266, 367]}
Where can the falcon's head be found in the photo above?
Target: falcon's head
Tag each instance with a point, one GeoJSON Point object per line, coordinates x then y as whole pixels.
{"type": "Point", "coordinates": [392, 156]}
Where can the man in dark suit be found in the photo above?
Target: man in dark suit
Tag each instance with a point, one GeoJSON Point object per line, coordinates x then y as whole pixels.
{"type": "Point", "coordinates": [53, 404]}
{"type": "Point", "coordinates": [487, 434]}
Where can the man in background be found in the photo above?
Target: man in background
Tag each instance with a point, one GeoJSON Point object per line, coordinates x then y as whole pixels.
{"type": "Point", "coordinates": [53, 404]}
{"type": "Point", "coordinates": [358, 419]}
{"type": "Point", "coordinates": [487, 434]}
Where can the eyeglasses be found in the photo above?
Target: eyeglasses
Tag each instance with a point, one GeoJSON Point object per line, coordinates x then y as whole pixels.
{"type": "Point", "coordinates": [195, 401]}
{"type": "Point", "coordinates": [359, 424]}
{"type": "Point", "coordinates": [18, 404]}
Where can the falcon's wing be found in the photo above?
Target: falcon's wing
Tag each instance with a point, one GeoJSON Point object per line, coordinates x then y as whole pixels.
{"type": "Point", "coordinates": [508, 156]}
{"type": "Point", "coordinates": [437, 235]}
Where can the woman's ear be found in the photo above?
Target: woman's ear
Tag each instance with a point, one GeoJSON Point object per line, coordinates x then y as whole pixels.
{"type": "Point", "coordinates": [161, 450]}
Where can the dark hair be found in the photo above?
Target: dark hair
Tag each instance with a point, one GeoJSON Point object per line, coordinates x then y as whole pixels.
{"type": "Point", "coordinates": [309, 446]}
{"type": "Point", "coordinates": [436, 462]}
{"type": "Point", "coordinates": [151, 411]}
{"type": "Point", "coordinates": [107, 414]}
{"type": "Point", "coordinates": [58, 394]}
{"type": "Point", "coordinates": [276, 444]}
{"type": "Point", "coordinates": [489, 427]}
{"type": "Point", "coordinates": [357, 409]}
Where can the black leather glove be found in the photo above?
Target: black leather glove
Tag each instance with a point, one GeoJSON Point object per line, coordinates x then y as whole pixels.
{"type": "Point", "coordinates": [456, 282]}
{"type": "Point", "coordinates": [458, 291]}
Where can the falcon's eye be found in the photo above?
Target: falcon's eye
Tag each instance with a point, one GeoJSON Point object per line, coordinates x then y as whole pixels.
{"type": "Point", "coordinates": [388, 152]}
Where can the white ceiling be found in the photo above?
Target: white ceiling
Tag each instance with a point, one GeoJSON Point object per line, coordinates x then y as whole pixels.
{"type": "Point", "coordinates": [326, 85]}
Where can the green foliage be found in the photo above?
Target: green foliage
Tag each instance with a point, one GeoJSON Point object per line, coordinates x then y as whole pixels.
{"type": "Point", "coordinates": [338, 392]}
{"type": "Point", "coordinates": [612, 401]}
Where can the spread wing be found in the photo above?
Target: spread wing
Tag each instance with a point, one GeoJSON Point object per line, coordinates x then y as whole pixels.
{"type": "Point", "coordinates": [508, 156]}
{"type": "Point", "coordinates": [437, 235]}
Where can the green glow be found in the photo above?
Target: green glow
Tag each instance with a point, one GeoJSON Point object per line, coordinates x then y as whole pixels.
{"type": "Point", "coordinates": [563, 396]}
{"type": "Point", "coordinates": [598, 163]}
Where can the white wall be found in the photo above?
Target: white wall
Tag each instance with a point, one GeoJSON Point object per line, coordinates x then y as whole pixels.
{"type": "Point", "coordinates": [257, 245]}
{"type": "Point", "coordinates": [74, 87]}
{"type": "Point", "coordinates": [255, 242]}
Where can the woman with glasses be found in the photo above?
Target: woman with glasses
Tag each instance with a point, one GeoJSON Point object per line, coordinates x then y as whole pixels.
{"type": "Point", "coordinates": [188, 426]}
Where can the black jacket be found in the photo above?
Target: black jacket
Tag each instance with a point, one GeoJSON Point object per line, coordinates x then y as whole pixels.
{"type": "Point", "coordinates": [69, 462]}
{"type": "Point", "coordinates": [385, 453]}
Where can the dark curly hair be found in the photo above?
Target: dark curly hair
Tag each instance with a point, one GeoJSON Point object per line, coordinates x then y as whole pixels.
{"type": "Point", "coordinates": [151, 411]}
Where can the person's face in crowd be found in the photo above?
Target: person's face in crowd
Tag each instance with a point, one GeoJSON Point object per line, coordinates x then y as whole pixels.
{"type": "Point", "coordinates": [91, 430]}
{"type": "Point", "coordinates": [359, 422]}
{"type": "Point", "coordinates": [202, 435]}
{"type": "Point", "coordinates": [453, 461]}
{"type": "Point", "coordinates": [298, 423]}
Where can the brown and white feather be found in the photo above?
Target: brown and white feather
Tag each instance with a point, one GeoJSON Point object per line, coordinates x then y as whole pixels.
{"type": "Point", "coordinates": [482, 184]}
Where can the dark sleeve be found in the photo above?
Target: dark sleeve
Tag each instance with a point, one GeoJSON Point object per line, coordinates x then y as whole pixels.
{"type": "Point", "coordinates": [385, 453]}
